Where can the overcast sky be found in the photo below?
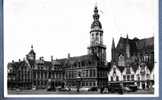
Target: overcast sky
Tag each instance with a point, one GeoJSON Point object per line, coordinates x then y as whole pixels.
{"type": "Point", "coordinates": [58, 27]}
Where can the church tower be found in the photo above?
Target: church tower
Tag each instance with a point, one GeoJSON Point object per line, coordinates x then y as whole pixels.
{"type": "Point", "coordinates": [113, 51]}
{"type": "Point", "coordinates": [31, 56]}
{"type": "Point", "coordinates": [96, 38]}
{"type": "Point", "coordinates": [127, 48]}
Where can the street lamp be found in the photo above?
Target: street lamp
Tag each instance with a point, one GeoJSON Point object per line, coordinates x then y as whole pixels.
{"type": "Point", "coordinates": [78, 81]}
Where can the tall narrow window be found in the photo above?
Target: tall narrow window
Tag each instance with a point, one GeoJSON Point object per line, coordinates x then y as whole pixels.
{"type": "Point", "coordinates": [111, 78]}
{"type": "Point", "coordinates": [117, 78]}
{"type": "Point", "coordinates": [132, 77]}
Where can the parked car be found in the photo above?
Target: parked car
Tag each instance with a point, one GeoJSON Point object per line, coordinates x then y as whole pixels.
{"type": "Point", "coordinates": [126, 89]}
{"type": "Point", "coordinates": [115, 88]}
{"type": "Point", "coordinates": [49, 88]}
{"type": "Point", "coordinates": [68, 88]}
{"type": "Point", "coordinates": [63, 89]}
{"type": "Point", "coordinates": [84, 89]}
{"type": "Point", "coordinates": [93, 89]}
{"type": "Point", "coordinates": [73, 89]}
{"type": "Point", "coordinates": [133, 88]}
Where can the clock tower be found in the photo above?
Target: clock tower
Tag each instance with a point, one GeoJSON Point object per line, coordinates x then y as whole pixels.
{"type": "Point", "coordinates": [31, 56]}
{"type": "Point", "coordinates": [96, 38]}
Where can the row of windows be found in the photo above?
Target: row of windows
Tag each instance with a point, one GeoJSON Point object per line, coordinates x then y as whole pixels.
{"type": "Point", "coordinates": [83, 83]}
{"type": "Point", "coordinates": [24, 80]}
{"type": "Point", "coordinates": [24, 68]}
{"type": "Point", "coordinates": [40, 82]}
{"type": "Point", "coordinates": [88, 84]}
{"type": "Point", "coordinates": [128, 77]}
{"type": "Point", "coordinates": [40, 75]}
{"type": "Point", "coordinates": [145, 58]}
{"type": "Point", "coordinates": [142, 78]}
{"type": "Point", "coordinates": [125, 78]}
{"type": "Point", "coordinates": [56, 75]}
{"type": "Point", "coordinates": [114, 78]}
{"type": "Point", "coordinates": [83, 64]}
{"type": "Point", "coordinates": [83, 73]}
{"type": "Point", "coordinates": [41, 67]}
{"type": "Point", "coordinates": [102, 74]}
{"type": "Point", "coordinates": [24, 76]}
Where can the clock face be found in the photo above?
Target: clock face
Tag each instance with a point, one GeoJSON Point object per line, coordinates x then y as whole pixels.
{"type": "Point", "coordinates": [96, 24]}
{"type": "Point", "coordinates": [97, 41]}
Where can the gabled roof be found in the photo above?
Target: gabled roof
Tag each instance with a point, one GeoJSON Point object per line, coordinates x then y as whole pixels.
{"type": "Point", "coordinates": [135, 44]}
{"type": "Point", "coordinates": [18, 64]}
{"type": "Point", "coordinates": [145, 43]}
{"type": "Point", "coordinates": [134, 67]}
{"type": "Point", "coordinates": [150, 66]}
{"type": "Point", "coordinates": [121, 68]}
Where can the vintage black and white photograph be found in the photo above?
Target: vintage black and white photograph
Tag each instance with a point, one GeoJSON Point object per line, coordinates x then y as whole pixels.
{"type": "Point", "coordinates": [85, 48]}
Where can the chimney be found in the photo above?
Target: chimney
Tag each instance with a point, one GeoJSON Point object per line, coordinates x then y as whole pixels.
{"type": "Point", "coordinates": [12, 61]}
{"type": "Point", "coordinates": [19, 60]}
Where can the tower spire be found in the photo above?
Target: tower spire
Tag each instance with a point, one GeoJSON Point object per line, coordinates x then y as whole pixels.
{"type": "Point", "coordinates": [127, 47]}
{"type": "Point", "coordinates": [113, 44]}
{"type": "Point", "coordinates": [96, 23]}
{"type": "Point", "coordinates": [113, 50]}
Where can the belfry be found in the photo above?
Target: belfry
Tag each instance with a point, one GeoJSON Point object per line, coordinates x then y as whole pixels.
{"type": "Point", "coordinates": [96, 38]}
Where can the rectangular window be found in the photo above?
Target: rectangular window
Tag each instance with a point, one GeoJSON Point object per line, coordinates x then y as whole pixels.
{"type": "Point", "coordinates": [132, 77]}
{"type": "Point", "coordinates": [83, 83]}
{"type": "Point", "coordinates": [86, 73]}
{"type": "Point", "coordinates": [90, 83]}
{"type": "Point", "coordinates": [86, 83]}
{"type": "Point", "coordinates": [111, 78]}
{"type": "Point", "coordinates": [128, 78]}
{"type": "Point", "coordinates": [124, 78]}
{"type": "Point", "coordinates": [94, 73]}
{"type": "Point", "coordinates": [117, 78]}
{"type": "Point", "coordinates": [147, 76]}
{"type": "Point", "coordinates": [94, 83]}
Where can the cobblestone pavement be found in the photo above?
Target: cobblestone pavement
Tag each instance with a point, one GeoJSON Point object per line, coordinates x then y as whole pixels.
{"type": "Point", "coordinates": [33, 92]}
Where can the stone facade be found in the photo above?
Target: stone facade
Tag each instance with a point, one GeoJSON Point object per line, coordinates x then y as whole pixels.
{"type": "Point", "coordinates": [132, 63]}
{"type": "Point", "coordinates": [88, 70]}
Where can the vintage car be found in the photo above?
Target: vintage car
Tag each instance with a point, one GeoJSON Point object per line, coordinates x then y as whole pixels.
{"type": "Point", "coordinates": [93, 89]}
{"type": "Point", "coordinates": [115, 88]}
